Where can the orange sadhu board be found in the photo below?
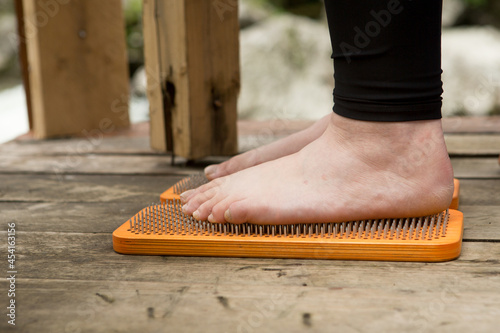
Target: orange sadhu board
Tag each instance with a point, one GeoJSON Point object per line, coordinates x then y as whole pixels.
{"type": "Point", "coordinates": [165, 230]}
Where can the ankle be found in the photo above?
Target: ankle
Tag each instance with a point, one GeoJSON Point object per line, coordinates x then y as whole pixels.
{"type": "Point", "coordinates": [411, 150]}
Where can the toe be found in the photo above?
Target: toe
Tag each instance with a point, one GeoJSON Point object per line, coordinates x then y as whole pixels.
{"type": "Point", "coordinates": [204, 210]}
{"type": "Point", "coordinates": [218, 211]}
{"type": "Point", "coordinates": [231, 166]}
{"type": "Point", "coordinates": [237, 212]}
{"type": "Point", "coordinates": [197, 199]}
{"type": "Point", "coordinates": [211, 171]}
{"type": "Point", "coordinates": [186, 195]}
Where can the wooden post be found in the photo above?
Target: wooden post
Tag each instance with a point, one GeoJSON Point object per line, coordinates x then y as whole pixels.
{"type": "Point", "coordinates": [78, 66]}
{"type": "Point", "coordinates": [192, 68]}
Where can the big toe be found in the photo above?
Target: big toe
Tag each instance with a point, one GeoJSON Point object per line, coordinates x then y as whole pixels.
{"type": "Point", "coordinates": [223, 169]}
{"type": "Point", "coordinates": [211, 171]}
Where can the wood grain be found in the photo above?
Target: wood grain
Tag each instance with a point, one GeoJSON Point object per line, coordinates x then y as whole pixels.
{"type": "Point", "coordinates": [480, 222]}
{"type": "Point", "coordinates": [252, 134]}
{"type": "Point", "coordinates": [83, 283]}
{"type": "Point", "coordinates": [472, 124]}
{"type": "Point", "coordinates": [70, 279]}
{"type": "Point", "coordinates": [473, 144]}
{"type": "Point", "coordinates": [93, 164]}
{"type": "Point", "coordinates": [78, 66]}
{"type": "Point", "coordinates": [94, 254]}
{"type": "Point", "coordinates": [192, 65]}
{"type": "Point", "coordinates": [486, 168]}
{"type": "Point", "coordinates": [481, 192]}
{"type": "Point", "coordinates": [83, 188]}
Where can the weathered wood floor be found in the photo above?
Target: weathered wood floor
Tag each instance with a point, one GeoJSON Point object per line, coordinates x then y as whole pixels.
{"type": "Point", "coordinates": [67, 196]}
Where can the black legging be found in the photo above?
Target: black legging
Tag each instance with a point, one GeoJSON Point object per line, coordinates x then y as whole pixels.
{"type": "Point", "coordinates": [387, 58]}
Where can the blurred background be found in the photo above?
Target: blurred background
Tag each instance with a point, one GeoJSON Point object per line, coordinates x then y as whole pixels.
{"type": "Point", "coordinates": [286, 68]}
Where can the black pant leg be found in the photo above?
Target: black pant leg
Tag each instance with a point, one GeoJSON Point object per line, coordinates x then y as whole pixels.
{"type": "Point", "coordinates": [387, 58]}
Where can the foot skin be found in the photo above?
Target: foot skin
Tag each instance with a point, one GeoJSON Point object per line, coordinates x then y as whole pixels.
{"type": "Point", "coordinates": [286, 146]}
{"type": "Point", "coordinates": [355, 170]}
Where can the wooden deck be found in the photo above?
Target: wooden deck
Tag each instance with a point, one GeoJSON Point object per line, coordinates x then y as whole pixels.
{"type": "Point", "coordinates": [67, 196]}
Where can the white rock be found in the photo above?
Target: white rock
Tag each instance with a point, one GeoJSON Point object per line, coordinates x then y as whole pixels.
{"type": "Point", "coordinates": [471, 70]}
{"type": "Point", "coordinates": [286, 69]}
{"type": "Point", "coordinates": [452, 9]}
{"type": "Point", "coordinates": [138, 82]}
{"type": "Point", "coordinates": [8, 39]}
{"type": "Point", "coordinates": [13, 113]}
{"type": "Point", "coordinates": [251, 12]}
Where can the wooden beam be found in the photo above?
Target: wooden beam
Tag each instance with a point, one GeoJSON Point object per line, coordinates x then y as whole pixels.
{"type": "Point", "coordinates": [192, 67]}
{"type": "Point", "coordinates": [78, 66]}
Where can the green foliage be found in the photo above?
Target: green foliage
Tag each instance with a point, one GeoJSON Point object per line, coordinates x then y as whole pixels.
{"type": "Point", "coordinates": [132, 11]}
{"type": "Point", "coordinates": [476, 3]}
{"type": "Point", "coordinates": [310, 8]}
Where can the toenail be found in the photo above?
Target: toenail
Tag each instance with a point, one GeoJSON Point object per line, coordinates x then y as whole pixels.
{"type": "Point", "coordinates": [196, 215]}
{"type": "Point", "coordinates": [210, 170]}
{"type": "Point", "coordinates": [227, 216]}
{"type": "Point", "coordinates": [211, 218]}
{"type": "Point", "coordinates": [184, 195]}
{"type": "Point", "coordinates": [184, 209]}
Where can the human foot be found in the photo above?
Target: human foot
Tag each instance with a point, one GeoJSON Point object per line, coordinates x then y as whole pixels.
{"type": "Point", "coordinates": [286, 146]}
{"type": "Point", "coordinates": [356, 170]}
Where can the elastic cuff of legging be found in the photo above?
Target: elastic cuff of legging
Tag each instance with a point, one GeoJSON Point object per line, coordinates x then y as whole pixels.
{"type": "Point", "coordinates": [387, 112]}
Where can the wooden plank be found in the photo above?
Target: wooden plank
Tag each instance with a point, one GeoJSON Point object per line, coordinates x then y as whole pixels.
{"type": "Point", "coordinates": [67, 217]}
{"type": "Point", "coordinates": [252, 134]}
{"type": "Point", "coordinates": [392, 305]}
{"type": "Point", "coordinates": [485, 168]}
{"type": "Point", "coordinates": [95, 254]}
{"type": "Point", "coordinates": [479, 124]}
{"type": "Point", "coordinates": [78, 66]}
{"type": "Point", "coordinates": [471, 144]}
{"type": "Point", "coordinates": [214, 77]}
{"type": "Point", "coordinates": [80, 146]}
{"type": "Point", "coordinates": [93, 164]}
{"type": "Point", "coordinates": [467, 167]}
{"type": "Point", "coordinates": [192, 65]}
{"type": "Point", "coordinates": [480, 222]}
{"type": "Point", "coordinates": [482, 192]}
{"type": "Point", "coordinates": [83, 188]}
{"type": "Point", "coordinates": [161, 132]}
{"type": "Point", "coordinates": [78, 280]}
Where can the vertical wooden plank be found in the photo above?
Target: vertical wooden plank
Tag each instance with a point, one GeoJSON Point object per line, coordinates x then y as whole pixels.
{"type": "Point", "coordinates": [165, 67]}
{"type": "Point", "coordinates": [78, 66]}
{"type": "Point", "coordinates": [192, 60]}
{"type": "Point", "coordinates": [154, 76]}
{"type": "Point", "coordinates": [213, 59]}
{"type": "Point", "coordinates": [23, 57]}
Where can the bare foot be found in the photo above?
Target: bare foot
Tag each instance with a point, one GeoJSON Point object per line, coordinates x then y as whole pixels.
{"type": "Point", "coordinates": [355, 171]}
{"type": "Point", "coordinates": [286, 146]}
